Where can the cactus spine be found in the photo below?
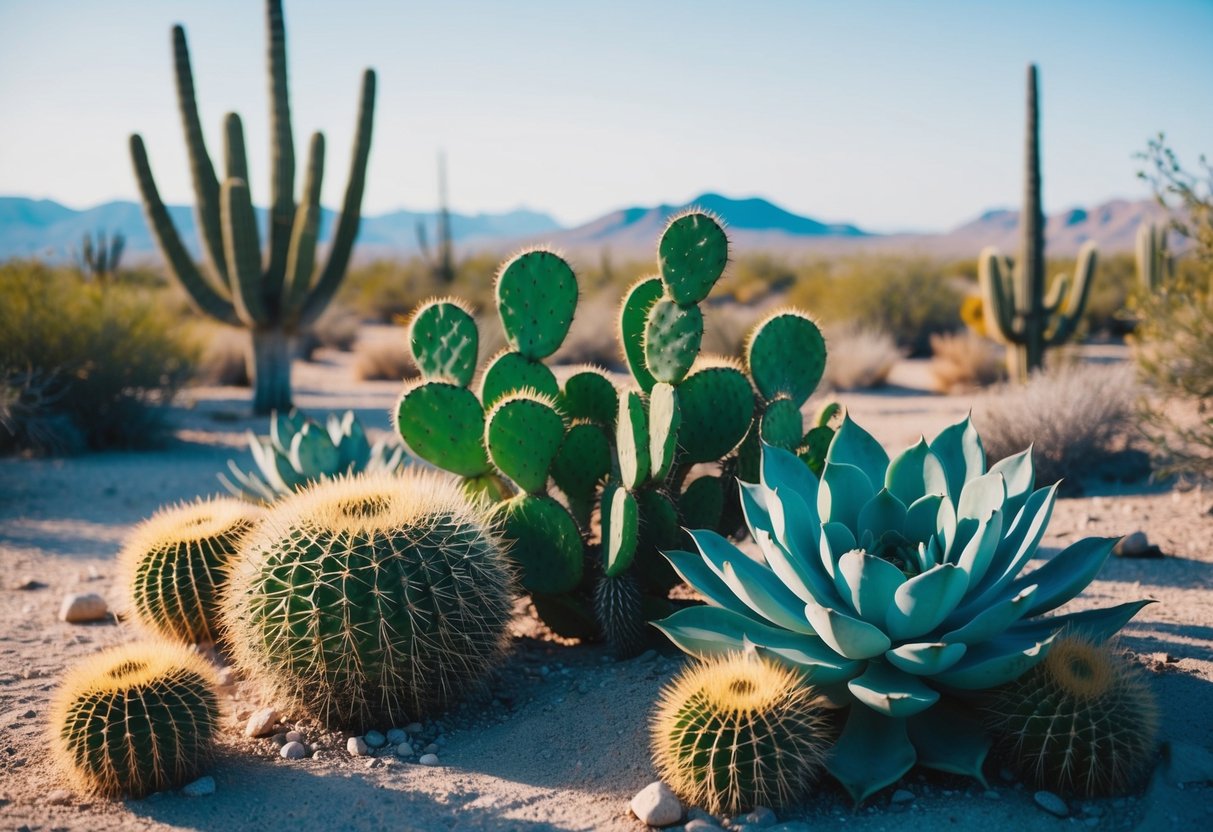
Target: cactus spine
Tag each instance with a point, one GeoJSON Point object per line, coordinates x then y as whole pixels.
{"type": "Point", "coordinates": [134, 719]}
{"type": "Point", "coordinates": [371, 598]}
{"type": "Point", "coordinates": [1020, 310]}
{"type": "Point", "coordinates": [176, 565]}
{"type": "Point", "coordinates": [1155, 265]}
{"type": "Point", "coordinates": [276, 294]}
{"type": "Point", "coordinates": [737, 732]}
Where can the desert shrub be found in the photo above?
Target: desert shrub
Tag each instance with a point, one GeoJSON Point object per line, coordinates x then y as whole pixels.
{"type": "Point", "coordinates": [962, 362]}
{"type": "Point", "coordinates": [726, 327]}
{"type": "Point", "coordinates": [860, 357]}
{"type": "Point", "coordinates": [1113, 284]}
{"type": "Point", "coordinates": [592, 338]}
{"type": "Point", "coordinates": [757, 276]}
{"type": "Point", "coordinates": [222, 356]}
{"type": "Point", "coordinates": [101, 359]}
{"type": "Point", "coordinates": [1077, 418]}
{"type": "Point", "coordinates": [385, 290]}
{"type": "Point", "coordinates": [335, 329]}
{"type": "Point", "coordinates": [383, 359]}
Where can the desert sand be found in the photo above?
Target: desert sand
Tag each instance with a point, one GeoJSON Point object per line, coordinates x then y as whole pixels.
{"type": "Point", "coordinates": [558, 740]}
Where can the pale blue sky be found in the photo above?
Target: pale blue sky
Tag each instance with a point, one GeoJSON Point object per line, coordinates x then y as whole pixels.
{"type": "Point", "coordinates": [894, 115]}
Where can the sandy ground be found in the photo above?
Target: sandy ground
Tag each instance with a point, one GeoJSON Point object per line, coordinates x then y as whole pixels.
{"type": "Point", "coordinates": [558, 740]}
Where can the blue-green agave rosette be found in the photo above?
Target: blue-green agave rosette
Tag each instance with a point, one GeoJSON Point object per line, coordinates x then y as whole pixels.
{"type": "Point", "coordinates": [894, 585]}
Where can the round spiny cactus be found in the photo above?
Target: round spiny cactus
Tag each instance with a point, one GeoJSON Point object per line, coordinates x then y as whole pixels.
{"type": "Point", "coordinates": [739, 731]}
{"type": "Point", "coordinates": [1083, 722]}
{"type": "Point", "coordinates": [134, 720]}
{"type": "Point", "coordinates": [372, 597]}
{"type": "Point", "coordinates": [176, 563]}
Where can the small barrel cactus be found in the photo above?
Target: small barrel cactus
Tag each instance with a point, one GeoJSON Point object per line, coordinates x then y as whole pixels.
{"type": "Point", "coordinates": [1083, 722]}
{"type": "Point", "coordinates": [135, 719]}
{"type": "Point", "coordinates": [371, 597]}
{"type": "Point", "coordinates": [739, 731]}
{"type": "Point", "coordinates": [176, 564]}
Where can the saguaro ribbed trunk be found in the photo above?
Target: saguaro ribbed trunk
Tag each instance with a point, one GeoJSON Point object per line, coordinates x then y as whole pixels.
{"type": "Point", "coordinates": [270, 370]}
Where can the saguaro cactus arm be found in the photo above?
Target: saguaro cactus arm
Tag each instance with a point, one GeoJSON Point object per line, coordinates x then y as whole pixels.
{"type": "Point", "coordinates": [242, 251]}
{"type": "Point", "coordinates": [301, 257]}
{"type": "Point", "coordinates": [1065, 311]}
{"type": "Point", "coordinates": [998, 292]}
{"type": "Point", "coordinates": [282, 153]}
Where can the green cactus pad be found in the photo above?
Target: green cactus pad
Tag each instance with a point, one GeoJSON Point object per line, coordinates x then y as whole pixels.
{"type": "Point", "coordinates": [660, 531]}
{"type": "Point", "coordinates": [443, 339]}
{"type": "Point", "coordinates": [693, 253]}
{"type": "Point", "coordinates": [620, 528]}
{"type": "Point", "coordinates": [665, 417]}
{"type": "Point", "coordinates": [523, 433]}
{"type": "Point", "coordinates": [546, 543]}
{"type": "Point", "coordinates": [632, 439]}
{"type": "Point", "coordinates": [786, 356]}
{"type": "Point", "coordinates": [702, 503]}
{"type": "Point", "coordinates": [589, 394]}
{"type": "Point", "coordinates": [717, 405]}
{"type": "Point", "coordinates": [583, 461]}
{"type": "Point", "coordinates": [672, 337]}
{"type": "Point", "coordinates": [443, 424]}
{"type": "Point", "coordinates": [536, 297]}
{"type": "Point", "coordinates": [782, 425]}
{"type": "Point", "coordinates": [633, 318]}
{"type": "Point", "coordinates": [508, 372]}
{"type": "Point", "coordinates": [567, 615]}
{"type": "Point", "coordinates": [814, 448]}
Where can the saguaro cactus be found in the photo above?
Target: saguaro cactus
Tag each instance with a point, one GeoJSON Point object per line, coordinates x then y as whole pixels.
{"type": "Point", "coordinates": [272, 295]}
{"type": "Point", "coordinates": [1155, 265]}
{"type": "Point", "coordinates": [440, 259]}
{"type": "Point", "coordinates": [99, 259]}
{"type": "Point", "coordinates": [1020, 310]}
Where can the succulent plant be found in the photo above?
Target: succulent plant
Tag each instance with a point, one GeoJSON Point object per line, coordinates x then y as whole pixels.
{"type": "Point", "coordinates": [300, 451]}
{"type": "Point", "coordinates": [134, 719]}
{"type": "Point", "coordinates": [371, 597]}
{"type": "Point", "coordinates": [617, 609]}
{"type": "Point", "coordinates": [739, 731]}
{"type": "Point", "coordinates": [1082, 722]}
{"type": "Point", "coordinates": [895, 585]}
{"type": "Point", "coordinates": [176, 564]}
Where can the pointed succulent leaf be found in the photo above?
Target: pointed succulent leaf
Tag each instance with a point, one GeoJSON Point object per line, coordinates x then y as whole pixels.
{"type": "Point", "coordinates": [754, 502]}
{"type": "Point", "coordinates": [868, 584]}
{"type": "Point", "coordinates": [853, 445]}
{"type": "Point", "coordinates": [1016, 548]}
{"type": "Point", "coordinates": [1097, 625]}
{"type": "Point", "coordinates": [873, 752]}
{"type": "Point", "coordinates": [978, 553]}
{"type": "Point", "coordinates": [1020, 475]}
{"type": "Point", "coordinates": [921, 516]}
{"type": "Point", "coordinates": [958, 448]}
{"type": "Point", "coordinates": [922, 602]}
{"type": "Point", "coordinates": [835, 541]}
{"type": "Point", "coordinates": [991, 621]}
{"type": "Point", "coordinates": [915, 473]}
{"type": "Point", "coordinates": [996, 662]}
{"type": "Point", "coordinates": [847, 635]}
{"type": "Point", "coordinates": [313, 454]}
{"type": "Point", "coordinates": [844, 490]}
{"type": "Point", "coordinates": [891, 692]}
{"type": "Point", "coordinates": [883, 513]}
{"type": "Point", "coordinates": [764, 593]}
{"type": "Point", "coordinates": [784, 471]}
{"type": "Point", "coordinates": [1066, 574]}
{"type": "Point", "coordinates": [925, 658]}
{"type": "Point", "coordinates": [947, 738]}
{"type": "Point", "coordinates": [694, 569]}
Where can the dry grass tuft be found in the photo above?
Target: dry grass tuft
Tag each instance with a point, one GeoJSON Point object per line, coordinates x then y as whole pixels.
{"type": "Point", "coordinates": [336, 329]}
{"type": "Point", "coordinates": [963, 362]}
{"type": "Point", "coordinates": [858, 358]}
{"type": "Point", "coordinates": [224, 361]}
{"type": "Point", "coordinates": [383, 359]}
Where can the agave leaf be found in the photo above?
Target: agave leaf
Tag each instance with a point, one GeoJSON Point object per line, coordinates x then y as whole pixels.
{"type": "Point", "coordinates": [313, 454]}
{"type": "Point", "coordinates": [795, 525]}
{"type": "Point", "coordinates": [1020, 475]}
{"type": "Point", "coordinates": [249, 485]}
{"type": "Point", "coordinates": [948, 738]}
{"type": "Point", "coordinates": [992, 621]}
{"type": "Point", "coordinates": [882, 513]}
{"type": "Point", "coordinates": [924, 601]}
{"type": "Point", "coordinates": [921, 517]}
{"type": "Point", "coordinates": [847, 635]}
{"type": "Point", "coordinates": [958, 448]}
{"type": "Point", "coordinates": [783, 471]}
{"type": "Point", "coordinates": [754, 502]}
{"type": "Point", "coordinates": [695, 571]}
{"type": "Point", "coordinates": [855, 447]}
{"type": "Point", "coordinates": [805, 579]}
{"type": "Point", "coordinates": [996, 662]}
{"type": "Point", "coordinates": [353, 447]}
{"type": "Point", "coordinates": [764, 593]}
{"type": "Point", "coordinates": [872, 752]}
{"type": "Point", "coordinates": [844, 490]}
{"type": "Point", "coordinates": [1016, 549]}
{"type": "Point", "coordinates": [945, 527]}
{"type": "Point", "coordinates": [1097, 625]}
{"type": "Point", "coordinates": [1065, 574]}
{"type": "Point", "coordinates": [979, 552]}
{"type": "Point", "coordinates": [889, 691]}
{"type": "Point", "coordinates": [979, 499]}
{"type": "Point", "coordinates": [915, 473]}
{"type": "Point", "coordinates": [925, 658]}
{"type": "Point", "coordinates": [274, 467]}
{"type": "Point", "coordinates": [868, 584]}
{"type": "Point", "coordinates": [836, 540]}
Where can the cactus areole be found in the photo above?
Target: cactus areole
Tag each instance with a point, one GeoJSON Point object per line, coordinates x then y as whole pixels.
{"type": "Point", "coordinates": [274, 294]}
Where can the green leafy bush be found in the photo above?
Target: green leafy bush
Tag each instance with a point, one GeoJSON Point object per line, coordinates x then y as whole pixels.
{"type": "Point", "coordinates": [81, 365]}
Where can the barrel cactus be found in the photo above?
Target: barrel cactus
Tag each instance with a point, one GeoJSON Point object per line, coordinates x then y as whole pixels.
{"type": "Point", "coordinates": [176, 564]}
{"type": "Point", "coordinates": [896, 585]}
{"type": "Point", "coordinates": [134, 719]}
{"type": "Point", "coordinates": [739, 731]}
{"type": "Point", "coordinates": [377, 597]}
{"type": "Point", "coordinates": [1082, 722]}
{"type": "Point", "coordinates": [299, 451]}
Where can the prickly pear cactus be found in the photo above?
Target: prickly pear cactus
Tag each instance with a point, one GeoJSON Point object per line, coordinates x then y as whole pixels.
{"type": "Point", "coordinates": [134, 719]}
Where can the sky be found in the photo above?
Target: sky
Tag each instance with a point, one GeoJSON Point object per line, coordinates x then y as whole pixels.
{"type": "Point", "coordinates": [892, 115]}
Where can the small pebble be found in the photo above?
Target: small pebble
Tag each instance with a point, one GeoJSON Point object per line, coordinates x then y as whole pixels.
{"type": "Point", "coordinates": [414, 728]}
{"type": "Point", "coordinates": [1136, 545]}
{"type": "Point", "coordinates": [404, 749]}
{"type": "Point", "coordinates": [1051, 803]}
{"type": "Point", "coordinates": [82, 608]}
{"type": "Point", "coordinates": [293, 751]}
{"type": "Point", "coordinates": [356, 746]}
{"type": "Point", "coordinates": [278, 739]}
{"type": "Point", "coordinates": [59, 797]}
{"type": "Point", "coordinates": [295, 736]}
{"type": "Point", "coordinates": [202, 787]}
{"type": "Point", "coordinates": [902, 796]}
{"type": "Point", "coordinates": [656, 805]}
{"type": "Point", "coordinates": [761, 816]}
{"type": "Point", "coordinates": [26, 585]}
{"type": "Point", "coordinates": [374, 739]}
{"type": "Point", "coordinates": [317, 755]}
{"type": "Point", "coordinates": [261, 723]}
{"type": "Point", "coordinates": [432, 748]}
{"type": "Point", "coordinates": [701, 825]}
{"type": "Point", "coordinates": [396, 736]}
{"type": "Point", "coordinates": [428, 759]}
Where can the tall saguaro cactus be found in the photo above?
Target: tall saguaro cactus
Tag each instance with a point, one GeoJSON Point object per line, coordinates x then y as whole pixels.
{"type": "Point", "coordinates": [1020, 310]}
{"type": "Point", "coordinates": [272, 294]}
{"type": "Point", "coordinates": [1155, 265]}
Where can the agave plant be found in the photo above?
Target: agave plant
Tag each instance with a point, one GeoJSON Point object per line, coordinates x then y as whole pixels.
{"type": "Point", "coordinates": [299, 451]}
{"type": "Point", "coordinates": [895, 586]}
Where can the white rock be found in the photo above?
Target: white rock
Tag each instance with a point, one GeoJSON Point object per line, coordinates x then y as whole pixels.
{"type": "Point", "coordinates": [374, 739]}
{"type": "Point", "coordinates": [429, 759]}
{"type": "Point", "coordinates": [396, 736]}
{"type": "Point", "coordinates": [58, 797]}
{"type": "Point", "coordinates": [656, 805]}
{"type": "Point", "coordinates": [202, 787]}
{"type": "Point", "coordinates": [404, 749]}
{"type": "Point", "coordinates": [261, 723]}
{"type": "Point", "coordinates": [1051, 803]}
{"type": "Point", "coordinates": [356, 746]}
{"type": "Point", "coordinates": [318, 755]}
{"type": "Point", "coordinates": [701, 825]}
{"type": "Point", "coordinates": [295, 736]}
{"type": "Point", "coordinates": [293, 751]}
{"type": "Point", "coordinates": [79, 608]}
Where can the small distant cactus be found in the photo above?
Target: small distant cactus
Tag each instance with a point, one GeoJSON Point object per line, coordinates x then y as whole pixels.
{"type": "Point", "coordinates": [176, 565]}
{"type": "Point", "coordinates": [1155, 265]}
{"type": "Point", "coordinates": [100, 258]}
{"type": "Point", "coordinates": [737, 732]}
{"type": "Point", "coordinates": [1083, 722]}
{"type": "Point", "coordinates": [299, 451]}
{"type": "Point", "coordinates": [134, 719]}
{"type": "Point", "coordinates": [376, 597]}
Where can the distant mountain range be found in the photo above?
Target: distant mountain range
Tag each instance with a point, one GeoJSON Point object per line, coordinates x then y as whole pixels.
{"type": "Point", "coordinates": [45, 228]}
